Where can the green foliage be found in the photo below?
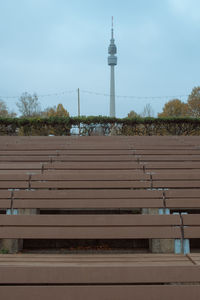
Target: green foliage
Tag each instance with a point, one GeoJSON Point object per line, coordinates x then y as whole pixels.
{"type": "Point", "coordinates": [90, 126]}
{"type": "Point", "coordinates": [4, 251]}
{"type": "Point", "coordinates": [132, 114]}
{"type": "Point", "coordinates": [56, 111]}
{"type": "Point", "coordinates": [175, 108]}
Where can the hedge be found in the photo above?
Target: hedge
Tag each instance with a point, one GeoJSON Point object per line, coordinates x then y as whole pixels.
{"type": "Point", "coordinates": [99, 125]}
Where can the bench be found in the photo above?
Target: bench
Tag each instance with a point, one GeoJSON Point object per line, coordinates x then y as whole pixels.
{"type": "Point", "coordinates": [100, 188]}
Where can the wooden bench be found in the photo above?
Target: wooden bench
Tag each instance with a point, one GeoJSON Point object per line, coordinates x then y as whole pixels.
{"type": "Point", "coordinates": [98, 277]}
{"type": "Point", "coordinates": [100, 188]}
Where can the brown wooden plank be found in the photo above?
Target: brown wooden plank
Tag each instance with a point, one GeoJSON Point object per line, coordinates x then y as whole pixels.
{"type": "Point", "coordinates": [64, 262]}
{"type": "Point", "coordinates": [175, 176]}
{"type": "Point", "coordinates": [5, 199]}
{"type": "Point", "coordinates": [20, 166]}
{"type": "Point", "coordinates": [109, 274]}
{"type": "Point", "coordinates": [91, 220]}
{"type": "Point", "coordinates": [167, 171]}
{"type": "Point", "coordinates": [90, 194]}
{"type": "Point", "coordinates": [124, 263]}
{"type": "Point", "coordinates": [172, 165]}
{"type": "Point", "coordinates": [14, 185]}
{"type": "Point", "coordinates": [17, 172]}
{"type": "Point", "coordinates": [33, 147]}
{"type": "Point", "coordinates": [5, 194]}
{"type": "Point", "coordinates": [111, 292]}
{"type": "Point", "coordinates": [90, 226]}
{"type": "Point", "coordinates": [28, 158]}
{"type": "Point", "coordinates": [182, 193]}
{"type": "Point", "coordinates": [111, 175]}
{"type": "Point", "coordinates": [89, 184]}
{"type": "Point", "coordinates": [99, 173]}
{"type": "Point", "coordinates": [191, 220]}
{"type": "Point", "coordinates": [132, 259]}
{"type": "Point", "coordinates": [194, 257]}
{"type": "Point", "coordinates": [192, 232]}
{"type": "Point", "coordinates": [191, 224]}
{"type": "Point", "coordinates": [168, 152]}
{"type": "Point", "coordinates": [93, 144]}
{"type": "Point", "coordinates": [170, 158]}
{"type": "Point", "coordinates": [183, 203]}
{"type": "Point", "coordinates": [48, 158]}
{"type": "Point", "coordinates": [88, 203]}
{"type": "Point", "coordinates": [96, 158]}
{"type": "Point", "coordinates": [139, 232]}
{"type": "Point", "coordinates": [95, 152]}
{"type": "Point", "coordinates": [161, 148]}
{"type": "Point", "coordinates": [93, 165]}
{"type": "Point", "coordinates": [5, 204]}
{"type": "Point", "coordinates": [14, 177]}
{"type": "Point", "coordinates": [176, 184]}
{"type": "Point", "coordinates": [98, 146]}
{"type": "Point", "coordinates": [25, 152]}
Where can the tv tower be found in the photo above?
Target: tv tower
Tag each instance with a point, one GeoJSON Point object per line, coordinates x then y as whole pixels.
{"type": "Point", "coordinates": [112, 62]}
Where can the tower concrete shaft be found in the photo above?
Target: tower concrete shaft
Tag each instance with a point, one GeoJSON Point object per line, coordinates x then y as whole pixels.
{"type": "Point", "coordinates": [112, 62]}
{"type": "Point", "coordinates": [112, 91]}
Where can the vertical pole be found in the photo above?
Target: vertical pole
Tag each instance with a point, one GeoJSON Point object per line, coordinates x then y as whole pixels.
{"type": "Point", "coordinates": [177, 242]}
{"type": "Point", "coordinates": [186, 242]}
{"type": "Point", "coordinates": [11, 245]}
{"type": "Point", "coordinates": [78, 102]}
{"type": "Point", "coordinates": [79, 127]}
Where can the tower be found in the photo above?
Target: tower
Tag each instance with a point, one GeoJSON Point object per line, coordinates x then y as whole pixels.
{"type": "Point", "coordinates": [112, 62]}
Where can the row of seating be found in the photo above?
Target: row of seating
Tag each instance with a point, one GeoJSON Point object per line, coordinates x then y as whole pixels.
{"type": "Point", "coordinates": [100, 180]}
{"type": "Point", "coordinates": [174, 199]}
{"type": "Point", "coordinates": [100, 189]}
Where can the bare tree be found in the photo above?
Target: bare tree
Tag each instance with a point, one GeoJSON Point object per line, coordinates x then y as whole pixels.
{"type": "Point", "coordinates": [147, 111]}
{"type": "Point", "coordinates": [194, 102]}
{"type": "Point", "coordinates": [29, 105]}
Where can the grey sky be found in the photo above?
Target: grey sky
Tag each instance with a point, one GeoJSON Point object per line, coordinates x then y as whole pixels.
{"type": "Point", "coordinates": [50, 46]}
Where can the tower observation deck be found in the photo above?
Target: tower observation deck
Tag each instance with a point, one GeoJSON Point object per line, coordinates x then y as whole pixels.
{"type": "Point", "coordinates": [112, 62]}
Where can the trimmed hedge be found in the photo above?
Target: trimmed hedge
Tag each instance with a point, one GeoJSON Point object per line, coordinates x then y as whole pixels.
{"type": "Point", "coordinates": [99, 125]}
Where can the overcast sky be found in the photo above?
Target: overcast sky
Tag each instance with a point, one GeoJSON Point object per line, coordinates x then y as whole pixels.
{"type": "Point", "coordinates": [53, 46]}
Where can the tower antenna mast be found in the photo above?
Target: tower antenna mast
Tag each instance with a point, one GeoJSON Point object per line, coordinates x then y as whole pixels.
{"type": "Point", "coordinates": [112, 62]}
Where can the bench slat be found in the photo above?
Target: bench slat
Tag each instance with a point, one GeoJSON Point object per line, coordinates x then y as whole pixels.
{"type": "Point", "coordinates": [153, 292]}
{"type": "Point", "coordinates": [90, 220]}
{"type": "Point", "coordinates": [109, 274]}
{"type": "Point", "coordinates": [172, 165]}
{"type": "Point", "coordinates": [89, 184]}
{"type": "Point", "coordinates": [170, 158]}
{"type": "Point", "coordinates": [183, 203]}
{"type": "Point", "coordinates": [5, 203]}
{"type": "Point", "coordinates": [90, 194]}
{"type": "Point", "coordinates": [14, 185]}
{"type": "Point", "coordinates": [177, 184]}
{"type": "Point", "coordinates": [105, 232]}
{"type": "Point", "coordinates": [88, 203]}
{"type": "Point", "coordinates": [93, 165]}
{"type": "Point", "coordinates": [191, 220]}
{"type": "Point", "coordinates": [90, 226]}
{"type": "Point", "coordinates": [129, 175]}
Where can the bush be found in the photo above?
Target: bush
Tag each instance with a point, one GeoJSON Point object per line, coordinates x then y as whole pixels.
{"type": "Point", "coordinates": [62, 126]}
